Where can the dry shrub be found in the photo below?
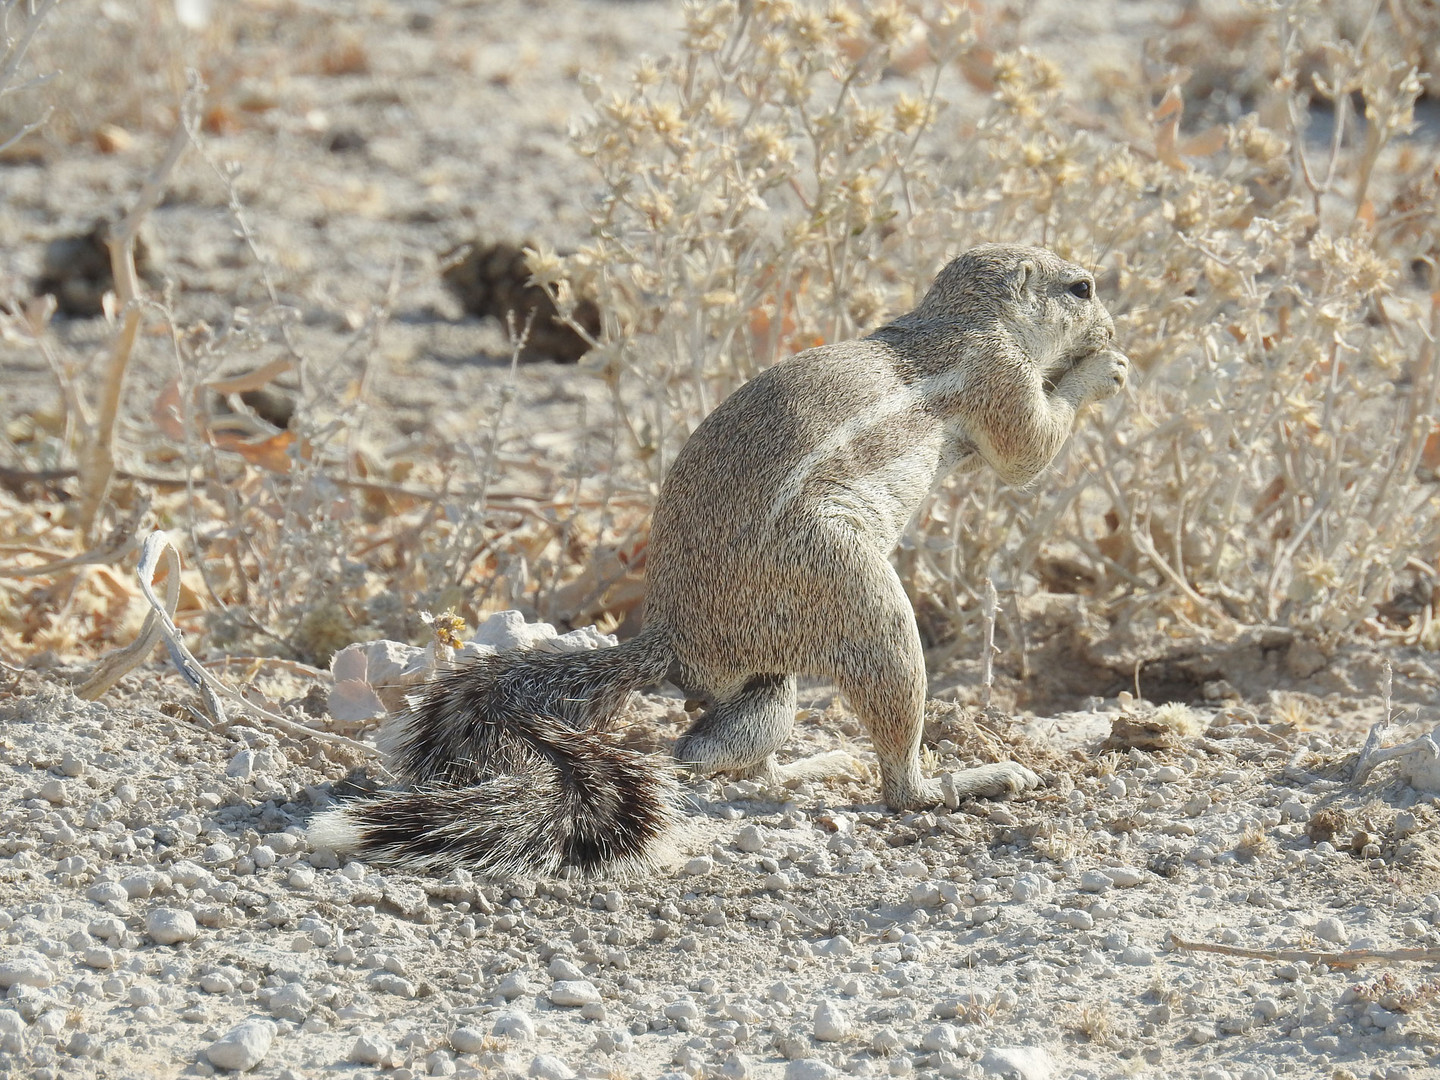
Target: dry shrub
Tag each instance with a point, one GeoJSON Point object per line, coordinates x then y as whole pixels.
{"type": "Point", "coordinates": [796, 175]}
{"type": "Point", "coordinates": [770, 189]}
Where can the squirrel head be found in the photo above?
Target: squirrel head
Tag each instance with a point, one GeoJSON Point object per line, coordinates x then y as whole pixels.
{"type": "Point", "coordinates": [1045, 304]}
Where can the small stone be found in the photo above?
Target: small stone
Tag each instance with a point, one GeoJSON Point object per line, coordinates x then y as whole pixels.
{"type": "Point", "coordinates": [512, 986]}
{"type": "Point", "coordinates": [1197, 805]}
{"type": "Point", "coordinates": [1137, 955]}
{"type": "Point", "coordinates": [1020, 1062]}
{"type": "Point", "coordinates": [242, 765]}
{"type": "Point", "coordinates": [25, 971]}
{"type": "Point", "coordinates": [107, 892]}
{"type": "Point", "coordinates": [550, 1067]}
{"type": "Point", "coordinates": [170, 926]}
{"type": "Point", "coordinates": [810, 1069]}
{"type": "Point", "coordinates": [1332, 930]}
{"type": "Point", "coordinates": [99, 957]}
{"type": "Point", "coordinates": [514, 1025]}
{"type": "Point", "coordinates": [1201, 1034]}
{"type": "Point", "coordinates": [700, 866]}
{"type": "Point", "coordinates": [831, 1023]}
{"type": "Point", "coordinates": [573, 993]}
{"type": "Point", "coordinates": [885, 1041]}
{"type": "Point", "coordinates": [941, 1037]}
{"type": "Point", "coordinates": [560, 968]}
{"type": "Point", "coordinates": [1125, 877]}
{"type": "Point", "coordinates": [684, 1009]}
{"type": "Point", "coordinates": [371, 1050]}
{"type": "Point", "coordinates": [218, 853]}
{"type": "Point", "coordinates": [1096, 881]}
{"type": "Point", "coordinates": [838, 946]}
{"type": "Point", "coordinates": [291, 1002]}
{"type": "Point", "coordinates": [1074, 917]}
{"type": "Point", "coordinates": [440, 1063]}
{"type": "Point", "coordinates": [751, 838]}
{"type": "Point", "coordinates": [468, 1040]}
{"type": "Point", "coordinates": [243, 1046]}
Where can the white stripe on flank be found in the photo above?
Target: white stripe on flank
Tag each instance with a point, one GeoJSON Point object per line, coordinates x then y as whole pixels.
{"type": "Point", "coordinates": [894, 404]}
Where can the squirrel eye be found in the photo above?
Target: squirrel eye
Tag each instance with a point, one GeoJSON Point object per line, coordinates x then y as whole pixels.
{"type": "Point", "coordinates": [1081, 289]}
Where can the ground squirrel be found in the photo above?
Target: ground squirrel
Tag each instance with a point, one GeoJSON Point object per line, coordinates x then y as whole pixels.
{"type": "Point", "coordinates": [769, 558]}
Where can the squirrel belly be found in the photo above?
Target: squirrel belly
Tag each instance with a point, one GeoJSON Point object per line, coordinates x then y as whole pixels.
{"type": "Point", "coordinates": [513, 772]}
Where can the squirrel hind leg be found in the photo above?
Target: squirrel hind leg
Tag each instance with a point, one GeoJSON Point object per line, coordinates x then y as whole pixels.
{"type": "Point", "coordinates": [741, 733]}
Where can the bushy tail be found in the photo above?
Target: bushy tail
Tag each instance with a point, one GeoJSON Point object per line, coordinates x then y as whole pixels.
{"type": "Point", "coordinates": [513, 772]}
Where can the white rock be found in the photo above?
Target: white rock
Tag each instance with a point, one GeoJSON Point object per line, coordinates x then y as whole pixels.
{"type": "Point", "coordinates": [509, 630]}
{"type": "Point", "coordinates": [291, 1002]}
{"type": "Point", "coordinates": [1074, 917]}
{"type": "Point", "coordinates": [925, 894]}
{"type": "Point", "coordinates": [1096, 881]}
{"type": "Point", "coordinates": [550, 1067]}
{"type": "Point", "coordinates": [1021, 1062]}
{"type": "Point", "coordinates": [170, 926]}
{"type": "Point", "coordinates": [1137, 955]}
{"type": "Point", "coordinates": [468, 1040]}
{"type": "Point", "coordinates": [218, 854]}
{"type": "Point", "coordinates": [513, 985]}
{"type": "Point", "coordinates": [242, 765]}
{"type": "Point", "coordinates": [1029, 887]}
{"type": "Point", "coordinates": [684, 1009]}
{"type": "Point", "coordinates": [700, 866]}
{"type": "Point", "coordinates": [514, 1025]}
{"type": "Point", "coordinates": [25, 970]}
{"type": "Point", "coordinates": [586, 637]}
{"type": "Point", "coordinates": [560, 968]}
{"type": "Point", "coordinates": [243, 1046]}
{"type": "Point", "coordinates": [371, 1050]}
{"type": "Point", "coordinates": [1125, 876]}
{"type": "Point", "coordinates": [839, 946]}
{"type": "Point", "coordinates": [1332, 930]}
{"type": "Point", "coordinates": [751, 838]}
{"type": "Point", "coordinates": [11, 1022]}
{"type": "Point", "coordinates": [810, 1069]}
{"type": "Point", "coordinates": [99, 957]}
{"type": "Point", "coordinates": [831, 1023]}
{"type": "Point", "coordinates": [107, 892]}
{"type": "Point", "coordinates": [574, 992]}
{"type": "Point", "coordinates": [940, 1037]}
{"type": "Point", "coordinates": [885, 1041]}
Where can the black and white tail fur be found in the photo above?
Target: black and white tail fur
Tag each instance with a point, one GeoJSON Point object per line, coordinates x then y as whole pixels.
{"type": "Point", "coordinates": [512, 772]}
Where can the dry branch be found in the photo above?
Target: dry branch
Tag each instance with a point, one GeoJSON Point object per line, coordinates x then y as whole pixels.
{"type": "Point", "coordinates": [160, 624]}
{"type": "Point", "coordinates": [97, 465]}
{"type": "Point", "coordinates": [1347, 958]}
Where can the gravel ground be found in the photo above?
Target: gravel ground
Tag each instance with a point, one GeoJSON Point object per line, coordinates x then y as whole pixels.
{"type": "Point", "coordinates": [162, 913]}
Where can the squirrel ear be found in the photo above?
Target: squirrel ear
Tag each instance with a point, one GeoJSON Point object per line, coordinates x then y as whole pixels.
{"type": "Point", "coordinates": [1019, 280]}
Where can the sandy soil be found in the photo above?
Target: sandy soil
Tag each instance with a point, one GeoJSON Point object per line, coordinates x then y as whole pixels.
{"type": "Point", "coordinates": [163, 914]}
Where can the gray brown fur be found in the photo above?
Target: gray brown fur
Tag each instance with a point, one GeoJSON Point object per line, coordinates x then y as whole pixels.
{"type": "Point", "coordinates": [769, 550]}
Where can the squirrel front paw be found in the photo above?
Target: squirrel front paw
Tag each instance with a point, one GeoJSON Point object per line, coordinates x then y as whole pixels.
{"type": "Point", "coordinates": [1102, 374]}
